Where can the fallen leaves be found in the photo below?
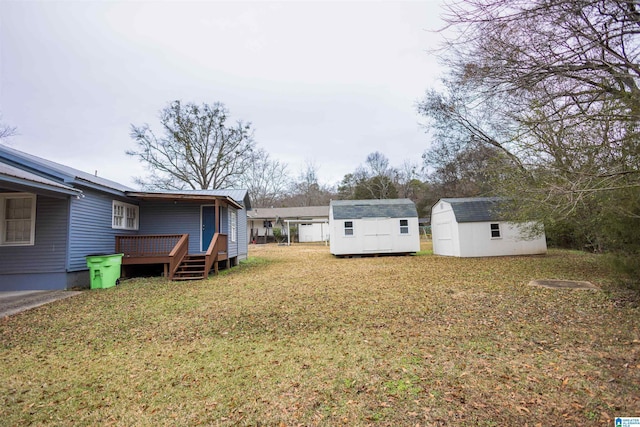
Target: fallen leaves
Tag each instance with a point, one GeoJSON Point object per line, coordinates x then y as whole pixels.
{"type": "Point", "coordinates": [304, 338]}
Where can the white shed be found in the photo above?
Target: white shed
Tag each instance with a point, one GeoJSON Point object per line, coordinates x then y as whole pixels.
{"type": "Point", "coordinates": [366, 227]}
{"type": "Point", "coordinates": [473, 227]}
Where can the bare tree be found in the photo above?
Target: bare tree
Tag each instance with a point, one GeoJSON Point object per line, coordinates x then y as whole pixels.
{"type": "Point", "coordinates": [266, 180]}
{"type": "Point", "coordinates": [307, 189]}
{"type": "Point", "coordinates": [567, 63]}
{"type": "Point", "coordinates": [378, 164]}
{"type": "Point", "coordinates": [553, 85]}
{"type": "Point", "coordinates": [376, 187]}
{"type": "Point", "coordinates": [198, 149]}
{"type": "Point", "coordinates": [6, 131]}
{"type": "Point", "coordinates": [464, 170]}
{"type": "Point", "coordinates": [584, 50]}
{"type": "Point", "coordinates": [376, 179]}
{"type": "Point", "coordinates": [346, 187]}
{"type": "Point", "coordinates": [407, 175]}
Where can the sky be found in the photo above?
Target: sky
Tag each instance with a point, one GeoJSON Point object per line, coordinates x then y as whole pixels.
{"type": "Point", "coordinates": [323, 83]}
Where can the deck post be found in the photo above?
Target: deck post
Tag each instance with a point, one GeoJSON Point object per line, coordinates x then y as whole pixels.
{"type": "Point", "coordinates": [216, 216]}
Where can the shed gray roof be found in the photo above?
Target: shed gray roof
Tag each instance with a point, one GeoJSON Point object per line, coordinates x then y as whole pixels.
{"type": "Point", "coordinates": [475, 209]}
{"type": "Point", "coordinates": [299, 212]}
{"type": "Point", "coordinates": [386, 208]}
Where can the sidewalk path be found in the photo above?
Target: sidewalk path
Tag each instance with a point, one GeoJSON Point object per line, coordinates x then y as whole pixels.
{"type": "Point", "coordinates": [17, 301]}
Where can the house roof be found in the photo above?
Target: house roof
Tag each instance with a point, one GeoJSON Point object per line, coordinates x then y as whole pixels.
{"type": "Point", "coordinates": [300, 212]}
{"type": "Point", "coordinates": [55, 171]}
{"type": "Point", "coordinates": [202, 196]}
{"type": "Point", "coordinates": [17, 165]}
{"type": "Point", "coordinates": [239, 195]}
{"type": "Point", "coordinates": [386, 208]}
{"type": "Point", "coordinates": [475, 209]}
{"type": "Point", "coordinates": [21, 180]}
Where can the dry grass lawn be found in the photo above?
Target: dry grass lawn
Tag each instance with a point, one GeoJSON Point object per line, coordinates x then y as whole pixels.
{"type": "Point", "coordinates": [296, 336]}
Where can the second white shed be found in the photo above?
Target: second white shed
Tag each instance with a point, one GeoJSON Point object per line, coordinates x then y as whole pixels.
{"type": "Point", "coordinates": [368, 227]}
{"type": "Point", "coordinates": [473, 227]}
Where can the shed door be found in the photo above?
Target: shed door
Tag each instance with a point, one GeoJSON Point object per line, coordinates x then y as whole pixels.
{"type": "Point", "coordinates": [377, 235]}
{"type": "Point", "coordinates": [443, 238]}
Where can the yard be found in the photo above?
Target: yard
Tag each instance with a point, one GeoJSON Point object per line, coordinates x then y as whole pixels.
{"type": "Point", "coordinates": [295, 336]}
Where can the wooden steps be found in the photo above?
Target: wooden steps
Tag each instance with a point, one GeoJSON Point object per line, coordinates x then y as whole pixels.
{"type": "Point", "coordinates": [191, 268]}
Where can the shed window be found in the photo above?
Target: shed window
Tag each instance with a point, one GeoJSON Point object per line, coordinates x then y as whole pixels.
{"type": "Point", "coordinates": [234, 226]}
{"type": "Point", "coordinates": [348, 228]}
{"type": "Point", "coordinates": [18, 217]}
{"type": "Point", "coordinates": [404, 226]}
{"type": "Point", "coordinates": [495, 231]}
{"type": "Point", "coordinates": [125, 216]}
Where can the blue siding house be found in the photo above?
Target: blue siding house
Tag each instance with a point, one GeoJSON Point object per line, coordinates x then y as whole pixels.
{"type": "Point", "coordinates": [53, 216]}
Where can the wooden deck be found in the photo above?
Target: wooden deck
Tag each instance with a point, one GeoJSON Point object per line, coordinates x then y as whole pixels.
{"type": "Point", "coordinates": [171, 250]}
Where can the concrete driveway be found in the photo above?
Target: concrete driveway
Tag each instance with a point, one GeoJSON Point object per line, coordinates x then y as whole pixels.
{"type": "Point", "coordinates": [12, 302]}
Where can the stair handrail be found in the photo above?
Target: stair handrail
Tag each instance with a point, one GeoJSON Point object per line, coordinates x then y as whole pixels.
{"type": "Point", "coordinates": [211, 257]}
{"type": "Point", "coordinates": [218, 242]}
{"type": "Point", "coordinates": [177, 254]}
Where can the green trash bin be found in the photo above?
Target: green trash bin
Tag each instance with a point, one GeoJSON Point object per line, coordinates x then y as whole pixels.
{"type": "Point", "coordinates": [104, 270]}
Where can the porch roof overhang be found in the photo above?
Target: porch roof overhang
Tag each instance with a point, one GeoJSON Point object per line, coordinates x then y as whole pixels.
{"type": "Point", "coordinates": [183, 197]}
{"type": "Point", "coordinates": [17, 179]}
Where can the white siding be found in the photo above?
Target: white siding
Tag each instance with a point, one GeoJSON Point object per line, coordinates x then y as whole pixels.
{"type": "Point", "coordinates": [339, 243]}
{"type": "Point", "coordinates": [313, 232]}
{"type": "Point", "coordinates": [373, 235]}
{"type": "Point", "coordinates": [473, 239]}
{"type": "Point", "coordinates": [476, 240]}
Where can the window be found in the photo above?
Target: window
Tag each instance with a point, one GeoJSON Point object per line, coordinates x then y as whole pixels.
{"type": "Point", "coordinates": [495, 231]}
{"type": "Point", "coordinates": [18, 219]}
{"type": "Point", "coordinates": [234, 226]}
{"type": "Point", "coordinates": [348, 228]}
{"type": "Point", "coordinates": [404, 226]}
{"type": "Point", "coordinates": [125, 216]}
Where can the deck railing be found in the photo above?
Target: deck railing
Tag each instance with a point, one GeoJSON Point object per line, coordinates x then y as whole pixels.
{"type": "Point", "coordinates": [147, 245]}
{"type": "Point", "coordinates": [217, 245]}
{"type": "Point", "coordinates": [167, 249]}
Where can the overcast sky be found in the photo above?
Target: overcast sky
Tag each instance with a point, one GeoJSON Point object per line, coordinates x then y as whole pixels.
{"type": "Point", "coordinates": [321, 82]}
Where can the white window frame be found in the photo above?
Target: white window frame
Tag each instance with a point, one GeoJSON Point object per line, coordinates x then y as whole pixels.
{"type": "Point", "coordinates": [3, 220]}
{"type": "Point", "coordinates": [233, 227]}
{"type": "Point", "coordinates": [121, 216]}
{"type": "Point", "coordinates": [497, 229]}
{"type": "Point", "coordinates": [404, 229]}
{"type": "Point", "coordinates": [349, 230]}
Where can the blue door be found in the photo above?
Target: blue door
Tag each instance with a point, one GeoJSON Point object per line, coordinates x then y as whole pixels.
{"type": "Point", "coordinates": [208, 226]}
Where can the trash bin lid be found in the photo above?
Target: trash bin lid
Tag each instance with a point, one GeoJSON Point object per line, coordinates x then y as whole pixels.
{"type": "Point", "coordinates": [104, 254]}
